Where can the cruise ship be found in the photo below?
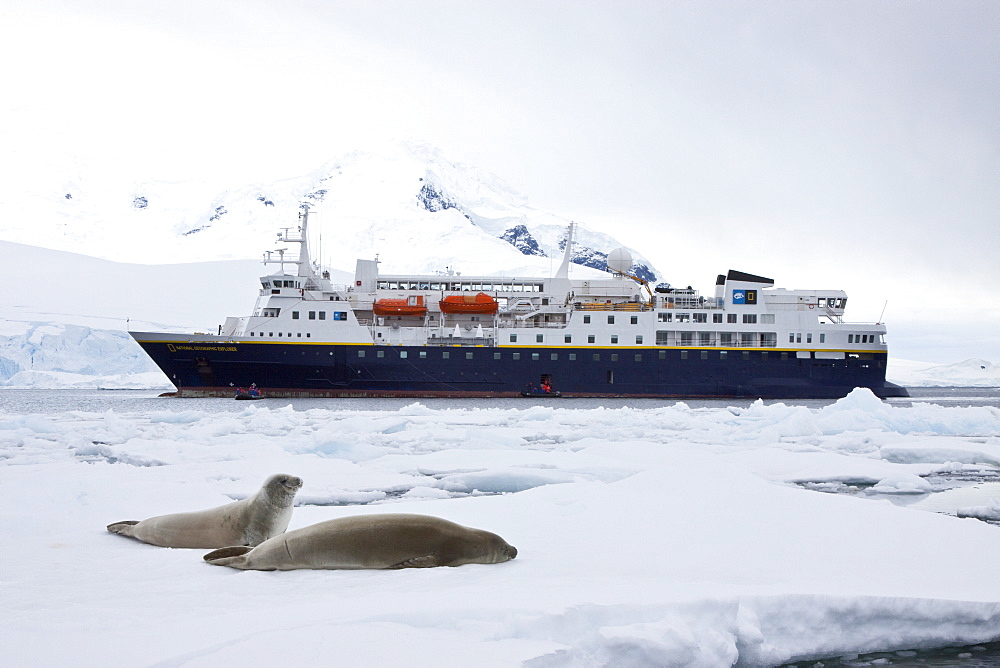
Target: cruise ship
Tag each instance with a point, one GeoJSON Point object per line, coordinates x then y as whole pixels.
{"type": "Point", "coordinates": [451, 335]}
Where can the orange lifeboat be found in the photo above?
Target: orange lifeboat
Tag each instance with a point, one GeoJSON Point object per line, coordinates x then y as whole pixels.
{"type": "Point", "coordinates": [475, 304]}
{"type": "Point", "coordinates": [407, 306]}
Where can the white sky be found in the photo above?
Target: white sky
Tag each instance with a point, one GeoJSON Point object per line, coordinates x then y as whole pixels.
{"type": "Point", "coordinates": [850, 145]}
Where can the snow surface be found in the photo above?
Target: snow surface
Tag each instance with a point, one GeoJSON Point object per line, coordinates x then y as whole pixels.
{"type": "Point", "coordinates": [646, 537]}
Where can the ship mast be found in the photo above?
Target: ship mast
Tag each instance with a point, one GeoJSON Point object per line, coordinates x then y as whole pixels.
{"type": "Point", "coordinates": [301, 237]}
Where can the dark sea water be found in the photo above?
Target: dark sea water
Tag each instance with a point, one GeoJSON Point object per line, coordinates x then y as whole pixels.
{"type": "Point", "coordinates": [132, 401]}
{"type": "Point", "coordinates": [986, 654]}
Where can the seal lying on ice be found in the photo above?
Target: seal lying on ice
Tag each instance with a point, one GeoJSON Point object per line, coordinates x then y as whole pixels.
{"type": "Point", "coordinates": [248, 522]}
{"type": "Point", "coordinates": [370, 541]}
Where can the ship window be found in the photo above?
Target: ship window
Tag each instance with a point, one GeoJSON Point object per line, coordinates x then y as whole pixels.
{"type": "Point", "coordinates": [665, 317]}
{"type": "Point", "coordinates": [638, 357]}
{"type": "Point", "coordinates": [568, 338]}
{"type": "Point", "coordinates": [590, 338]}
{"type": "Point", "coordinates": [496, 356]}
{"type": "Point", "coordinates": [683, 317]}
{"type": "Point", "coordinates": [295, 315]}
{"type": "Point", "coordinates": [684, 354]}
{"type": "Point", "coordinates": [767, 318]}
{"type": "Point", "coordinates": [749, 318]}
{"type": "Point", "coordinates": [704, 354]}
{"type": "Point", "coordinates": [270, 333]}
{"type": "Point", "coordinates": [308, 335]}
{"type": "Point", "coordinates": [791, 338]}
{"type": "Point", "coordinates": [822, 338]}
{"type": "Point", "coordinates": [468, 356]}
{"type": "Point", "coordinates": [763, 356]}
{"type": "Point", "coordinates": [298, 335]}
{"type": "Point", "coordinates": [611, 319]}
{"type": "Point", "coordinates": [661, 339]}
{"type": "Point", "coordinates": [614, 338]}
{"type": "Point", "coordinates": [614, 357]}
{"type": "Point", "coordinates": [809, 337]}
{"type": "Point", "coordinates": [596, 357]}
{"type": "Point", "coordinates": [769, 339]}
{"type": "Point", "coordinates": [513, 338]}
{"type": "Point", "coordinates": [634, 320]}
{"type": "Point", "coordinates": [279, 334]}
{"type": "Point", "coordinates": [716, 317]}
{"type": "Point", "coordinates": [723, 354]}
{"type": "Point", "coordinates": [663, 354]}
{"type": "Point", "coordinates": [747, 339]}
{"type": "Point", "coordinates": [638, 339]}
{"type": "Point", "coordinates": [422, 355]}
{"type": "Point", "coordinates": [312, 315]}
{"type": "Point", "coordinates": [701, 317]}
{"type": "Point", "coordinates": [402, 354]}
{"type": "Point", "coordinates": [554, 356]}
{"type": "Point", "coordinates": [539, 338]}
{"type": "Point", "coordinates": [746, 355]}
{"type": "Point", "coordinates": [515, 356]}
{"type": "Point", "coordinates": [534, 356]}
{"type": "Point", "coordinates": [445, 355]}
{"type": "Point", "coordinates": [322, 315]}
{"type": "Point", "coordinates": [572, 357]}
{"type": "Point", "coordinates": [361, 353]}
{"type": "Point", "coordinates": [380, 353]}
{"type": "Point", "coordinates": [798, 337]}
{"type": "Point", "coordinates": [850, 338]}
{"type": "Point", "coordinates": [731, 318]}
{"type": "Point", "coordinates": [725, 338]}
{"type": "Point", "coordinates": [611, 377]}
{"type": "Point", "coordinates": [784, 356]}
{"type": "Point", "coordinates": [586, 319]}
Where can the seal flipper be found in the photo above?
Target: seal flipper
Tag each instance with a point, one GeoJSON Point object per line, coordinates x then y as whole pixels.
{"type": "Point", "coordinates": [123, 528]}
{"type": "Point", "coordinates": [225, 556]}
{"type": "Point", "coordinates": [427, 561]}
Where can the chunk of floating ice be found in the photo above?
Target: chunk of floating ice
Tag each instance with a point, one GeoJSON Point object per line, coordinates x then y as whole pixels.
{"type": "Point", "coordinates": [903, 483]}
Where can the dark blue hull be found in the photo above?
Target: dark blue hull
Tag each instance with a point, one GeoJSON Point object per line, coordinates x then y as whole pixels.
{"type": "Point", "coordinates": [319, 370]}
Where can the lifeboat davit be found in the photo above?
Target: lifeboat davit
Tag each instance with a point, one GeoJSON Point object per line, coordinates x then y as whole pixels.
{"type": "Point", "coordinates": [477, 303]}
{"type": "Point", "coordinates": [407, 306]}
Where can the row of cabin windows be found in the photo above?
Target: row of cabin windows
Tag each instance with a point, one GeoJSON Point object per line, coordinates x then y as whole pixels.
{"type": "Point", "coordinates": [713, 339]}
{"type": "Point", "coordinates": [731, 318]}
{"type": "Point", "coordinates": [702, 339]}
{"type": "Point", "coordinates": [861, 338]}
{"type": "Point", "coordinates": [281, 335]}
{"type": "Point", "coordinates": [596, 357]}
{"type": "Point", "coordinates": [568, 338]}
{"type": "Point", "coordinates": [459, 286]}
{"type": "Point", "coordinates": [796, 337]}
{"type": "Point", "coordinates": [280, 284]}
{"type": "Point", "coordinates": [321, 315]}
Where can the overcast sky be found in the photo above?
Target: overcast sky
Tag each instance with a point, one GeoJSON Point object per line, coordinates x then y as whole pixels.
{"type": "Point", "coordinates": [850, 145]}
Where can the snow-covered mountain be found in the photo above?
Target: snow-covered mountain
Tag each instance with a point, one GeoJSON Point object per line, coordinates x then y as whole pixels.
{"type": "Point", "coordinates": [406, 202]}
